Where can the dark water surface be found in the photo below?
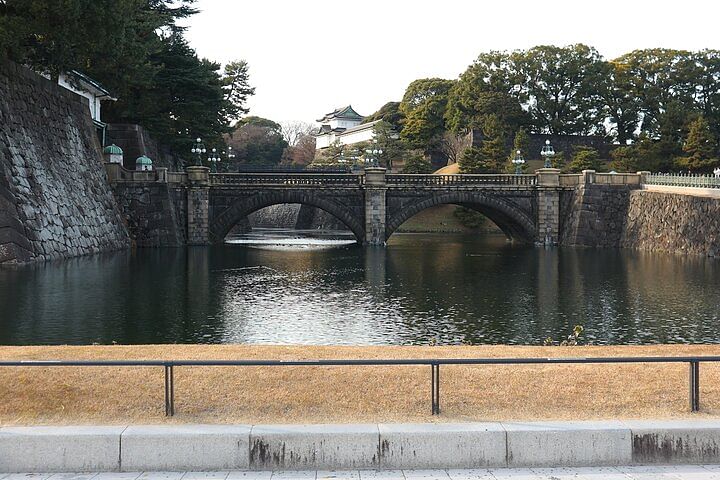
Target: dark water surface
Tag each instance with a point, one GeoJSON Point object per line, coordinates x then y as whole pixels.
{"type": "Point", "coordinates": [443, 288]}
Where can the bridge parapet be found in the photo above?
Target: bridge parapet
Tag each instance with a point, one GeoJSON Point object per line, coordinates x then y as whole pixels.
{"type": "Point", "coordinates": [287, 179]}
{"type": "Point", "coordinates": [464, 180]}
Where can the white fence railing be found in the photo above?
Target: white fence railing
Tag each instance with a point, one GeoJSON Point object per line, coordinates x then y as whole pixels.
{"type": "Point", "coordinates": [683, 180]}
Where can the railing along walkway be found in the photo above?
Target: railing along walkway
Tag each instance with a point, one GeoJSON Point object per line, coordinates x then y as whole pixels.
{"type": "Point", "coordinates": [683, 180]}
{"type": "Point", "coordinates": [353, 180]}
{"type": "Point", "coordinates": [413, 180]}
{"type": "Point", "coordinates": [434, 364]}
{"type": "Point", "coordinates": [287, 179]}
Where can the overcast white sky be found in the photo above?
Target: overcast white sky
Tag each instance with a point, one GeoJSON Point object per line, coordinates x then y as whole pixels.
{"type": "Point", "coordinates": [308, 57]}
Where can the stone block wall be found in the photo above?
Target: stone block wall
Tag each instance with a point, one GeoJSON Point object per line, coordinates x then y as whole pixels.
{"type": "Point", "coordinates": [55, 198]}
{"type": "Point", "coordinates": [623, 216]}
{"type": "Point", "coordinates": [594, 215]}
{"type": "Point", "coordinates": [673, 223]}
{"type": "Point", "coordinates": [155, 213]}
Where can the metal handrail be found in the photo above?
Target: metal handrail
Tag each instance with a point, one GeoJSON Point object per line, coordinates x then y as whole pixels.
{"type": "Point", "coordinates": [434, 363]}
{"type": "Point", "coordinates": [683, 180]}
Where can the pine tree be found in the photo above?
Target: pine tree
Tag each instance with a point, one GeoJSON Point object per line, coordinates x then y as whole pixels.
{"type": "Point", "coordinates": [700, 146]}
{"type": "Point", "coordinates": [417, 163]}
{"type": "Point", "coordinates": [521, 144]}
{"type": "Point", "coordinates": [493, 148]}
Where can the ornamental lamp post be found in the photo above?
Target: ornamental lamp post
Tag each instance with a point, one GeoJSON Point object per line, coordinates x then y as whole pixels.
{"type": "Point", "coordinates": [518, 161]}
{"type": "Point", "coordinates": [214, 159]}
{"type": "Point", "coordinates": [199, 149]}
{"type": "Point", "coordinates": [547, 152]}
{"type": "Point", "coordinates": [374, 154]}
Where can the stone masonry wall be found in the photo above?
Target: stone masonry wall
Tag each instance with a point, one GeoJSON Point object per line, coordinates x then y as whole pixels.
{"type": "Point", "coordinates": [674, 223]}
{"type": "Point", "coordinates": [617, 216]}
{"type": "Point", "coordinates": [155, 213]}
{"type": "Point", "coordinates": [55, 199]}
{"type": "Point", "coordinates": [595, 216]}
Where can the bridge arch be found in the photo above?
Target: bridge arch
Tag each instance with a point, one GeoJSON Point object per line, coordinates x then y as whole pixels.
{"type": "Point", "coordinates": [223, 222]}
{"type": "Point", "coordinates": [510, 218]}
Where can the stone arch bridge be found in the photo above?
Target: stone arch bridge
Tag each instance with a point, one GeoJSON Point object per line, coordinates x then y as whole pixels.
{"type": "Point", "coordinates": [372, 204]}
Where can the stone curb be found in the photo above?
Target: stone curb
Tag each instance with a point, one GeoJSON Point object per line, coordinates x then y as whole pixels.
{"type": "Point", "coordinates": [339, 446]}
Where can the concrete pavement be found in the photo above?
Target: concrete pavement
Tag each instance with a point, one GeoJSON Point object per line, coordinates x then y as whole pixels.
{"type": "Point", "coordinates": [678, 472]}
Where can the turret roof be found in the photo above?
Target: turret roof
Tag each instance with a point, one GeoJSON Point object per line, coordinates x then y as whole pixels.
{"type": "Point", "coordinates": [343, 112]}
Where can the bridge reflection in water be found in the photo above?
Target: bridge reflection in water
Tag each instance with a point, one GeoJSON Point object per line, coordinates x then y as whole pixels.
{"type": "Point", "coordinates": [423, 288]}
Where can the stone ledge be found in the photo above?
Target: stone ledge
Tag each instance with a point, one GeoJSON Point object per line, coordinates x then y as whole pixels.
{"type": "Point", "coordinates": [408, 446]}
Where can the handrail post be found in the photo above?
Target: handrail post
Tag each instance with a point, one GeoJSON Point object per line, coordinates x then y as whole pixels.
{"type": "Point", "coordinates": [169, 391]}
{"type": "Point", "coordinates": [694, 386]}
{"type": "Point", "coordinates": [435, 388]}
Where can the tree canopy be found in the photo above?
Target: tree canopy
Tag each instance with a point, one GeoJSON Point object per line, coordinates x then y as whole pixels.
{"type": "Point", "coordinates": [137, 50]}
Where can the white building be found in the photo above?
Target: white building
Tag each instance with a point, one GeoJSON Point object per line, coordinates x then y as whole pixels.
{"type": "Point", "coordinates": [343, 125]}
{"type": "Point", "coordinates": [92, 91]}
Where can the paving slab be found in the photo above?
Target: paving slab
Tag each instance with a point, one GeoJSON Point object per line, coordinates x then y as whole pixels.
{"type": "Point", "coordinates": [581, 473]}
{"type": "Point", "coordinates": [560, 444]}
{"type": "Point", "coordinates": [314, 447]}
{"type": "Point", "coordinates": [337, 475]}
{"type": "Point", "coordinates": [185, 447]}
{"type": "Point", "coordinates": [381, 474]}
{"type": "Point", "coordinates": [426, 475]}
{"type": "Point", "coordinates": [60, 449]}
{"type": "Point", "coordinates": [470, 474]}
{"type": "Point", "coordinates": [265, 475]}
{"type": "Point", "coordinates": [443, 445]}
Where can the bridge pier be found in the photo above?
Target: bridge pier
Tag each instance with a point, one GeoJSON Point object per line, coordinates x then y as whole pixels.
{"type": "Point", "coordinates": [375, 206]}
{"type": "Point", "coordinates": [198, 205]}
{"type": "Point", "coordinates": [548, 202]}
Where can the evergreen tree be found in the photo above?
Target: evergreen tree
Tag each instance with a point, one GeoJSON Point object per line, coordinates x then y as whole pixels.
{"type": "Point", "coordinates": [415, 162]}
{"type": "Point", "coordinates": [584, 158]}
{"type": "Point", "coordinates": [493, 148]}
{"type": "Point", "coordinates": [472, 161]}
{"type": "Point", "coordinates": [624, 159]}
{"type": "Point", "coordinates": [701, 148]}
{"type": "Point", "coordinates": [521, 143]}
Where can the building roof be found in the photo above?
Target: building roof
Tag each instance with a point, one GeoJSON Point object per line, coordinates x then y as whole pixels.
{"type": "Point", "coordinates": [343, 112]}
{"type": "Point", "coordinates": [326, 130]}
{"type": "Point", "coordinates": [90, 85]}
{"type": "Point", "coordinates": [143, 160]}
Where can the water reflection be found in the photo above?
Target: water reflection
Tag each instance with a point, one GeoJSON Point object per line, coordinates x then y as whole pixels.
{"type": "Point", "coordinates": [422, 288]}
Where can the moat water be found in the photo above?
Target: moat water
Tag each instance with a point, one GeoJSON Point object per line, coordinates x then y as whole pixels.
{"type": "Point", "coordinates": [286, 287]}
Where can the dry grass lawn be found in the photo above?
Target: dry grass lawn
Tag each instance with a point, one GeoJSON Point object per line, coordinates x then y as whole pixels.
{"type": "Point", "coordinates": [349, 394]}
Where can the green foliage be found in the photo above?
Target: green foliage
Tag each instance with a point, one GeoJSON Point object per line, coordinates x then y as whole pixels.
{"type": "Point", "coordinates": [584, 158]}
{"type": "Point", "coordinates": [236, 81]}
{"type": "Point", "coordinates": [387, 139]}
{"type": "Point", "coordinates": [416, 162]}
{"type": "Point", "coordinates": [258, 141]}
{"type": "Point", "coordinates": [423, 106]}
{"type": "Point", "coordinates": [472, 161]}
{"type": "Point", "coordinates": [137, 51]}
{"type": "Point", "coordinates": [559, 87]}
{"type": "Point", "coordinates": [485, 88]}
{"type": "Point", "coordinates": [701, 148]}
{"type": "Point", "coordinates": [521, 143]}
{"type": "Point", "coordinates": [469, 218]}
{"type": "Point", "coordinates": [624, 159]}
{"type": "Point", "coordinates": [493, 149]}
{"type": "Point", "coordinates": [490, 156]}
{"type": "Point", "coordinates": [390, 113]}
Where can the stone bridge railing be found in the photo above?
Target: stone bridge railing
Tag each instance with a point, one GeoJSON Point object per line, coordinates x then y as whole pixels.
{"type": "Point", "coordinates": [431, 180]}
{"type": "Point", "coordinates": [286, 179]}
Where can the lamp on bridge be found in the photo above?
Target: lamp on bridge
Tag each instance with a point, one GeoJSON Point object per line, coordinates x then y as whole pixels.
{"type": "Point", "coordinates": [372, 155]}
{"type": "Point", "coordinates": [214, 159]}
{"type": "Point", "coordinates": [518, 161]}
{"type": "Point", "coordinates": [547, 152]}
{"type": "Point", "coordinates": [199, 149]}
